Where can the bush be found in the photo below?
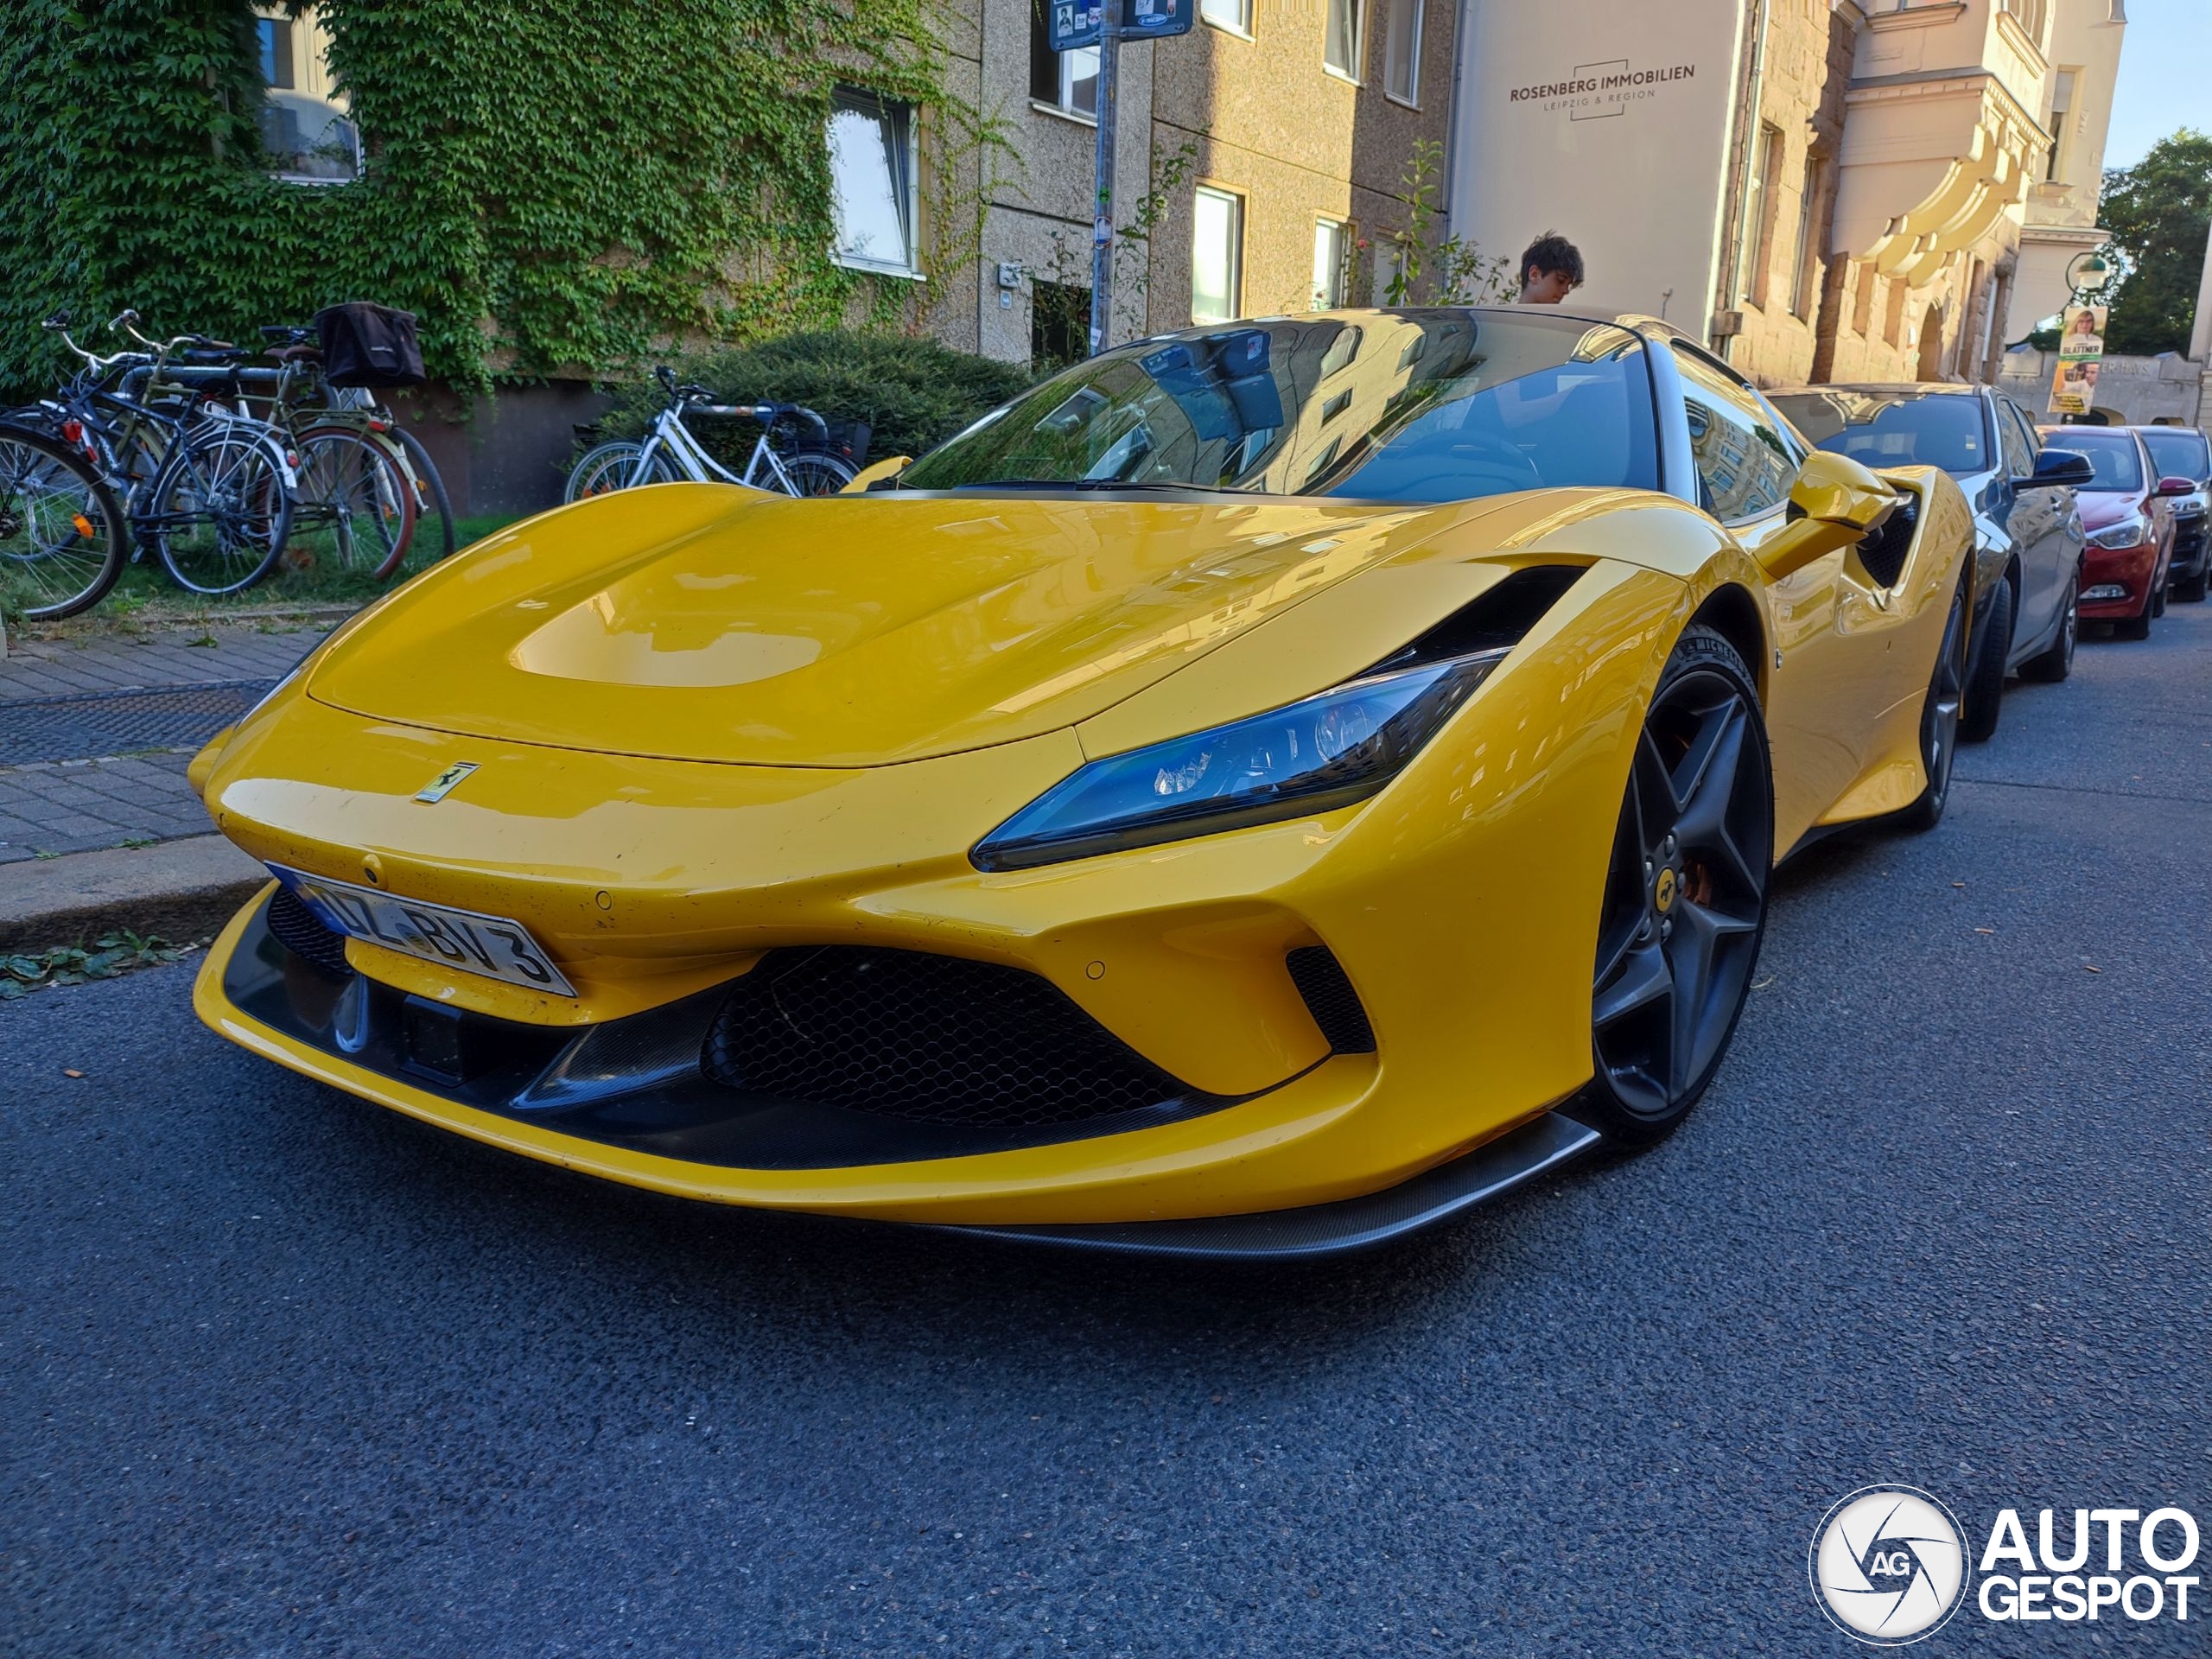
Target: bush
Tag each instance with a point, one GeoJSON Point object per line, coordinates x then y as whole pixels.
{"type": "Point", "coordinates": [913, 393]}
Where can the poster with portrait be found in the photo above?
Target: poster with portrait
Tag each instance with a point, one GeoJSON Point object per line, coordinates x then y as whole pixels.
{"type": "Point", "coordinates": [2075, 389]}
{"type": "Point", "coordinates": [2082, 332]}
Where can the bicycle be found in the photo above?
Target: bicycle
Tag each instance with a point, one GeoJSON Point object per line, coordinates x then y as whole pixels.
{"type": "Point", "coordinates": [364, 482]}
{"type": "Point", "coordinates": [210, 491]}
{"type": "Point", "coordinates": [672, 452]}
{"type": "Point", "coordinates": [328, 409]}
{"type": "Point", "coordinates": [63, 543]}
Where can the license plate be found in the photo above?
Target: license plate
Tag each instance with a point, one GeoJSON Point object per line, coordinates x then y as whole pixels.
{"type": "Point", "coordinates": [491, 946]}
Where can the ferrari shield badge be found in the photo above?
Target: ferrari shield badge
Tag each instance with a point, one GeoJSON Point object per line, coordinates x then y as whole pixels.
{"type": "Point", "coordinates": [445, 783]}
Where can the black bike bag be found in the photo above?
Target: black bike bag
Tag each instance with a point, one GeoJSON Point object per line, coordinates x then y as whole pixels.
{"type": "Point", "coordinates": [372, 346]}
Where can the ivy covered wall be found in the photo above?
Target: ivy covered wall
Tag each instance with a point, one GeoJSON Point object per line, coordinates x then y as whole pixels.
{"type": "Point", "coordinates": [551, 185]}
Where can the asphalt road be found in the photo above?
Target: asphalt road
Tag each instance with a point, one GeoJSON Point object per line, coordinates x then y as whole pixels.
{"type": "Point", "coordinates": [282, 1373]}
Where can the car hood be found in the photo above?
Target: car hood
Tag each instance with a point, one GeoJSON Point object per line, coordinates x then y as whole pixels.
{"type": "Point", "coordinates": [2102, 507]}
{"type": "Point", "coordinates": [699, 622]}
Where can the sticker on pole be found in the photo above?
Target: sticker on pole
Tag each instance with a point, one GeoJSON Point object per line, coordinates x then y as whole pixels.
{"type": "Point", "coordinates": [1071, 25]}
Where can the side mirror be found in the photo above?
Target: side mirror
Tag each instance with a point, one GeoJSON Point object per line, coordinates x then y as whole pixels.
{"type": "Point", "coordinates": [877, 473]}
{"type": "Point", "coordinates": [2059, 469]}
{"type": "Point", "coordinates": [1834, 503]}
{"type": "Point", "coordinates": [2177, 486]}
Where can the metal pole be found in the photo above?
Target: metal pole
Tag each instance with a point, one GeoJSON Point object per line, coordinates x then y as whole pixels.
{"type": "Point", "coordinates": [1101, 230]}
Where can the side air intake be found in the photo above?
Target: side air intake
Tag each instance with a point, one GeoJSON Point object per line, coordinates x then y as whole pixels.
{"type": "Point", "coordinates": [1321, 980]}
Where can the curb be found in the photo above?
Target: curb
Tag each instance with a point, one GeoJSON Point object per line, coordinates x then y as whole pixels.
{"type": "Point", "coordinates": [182, 890]}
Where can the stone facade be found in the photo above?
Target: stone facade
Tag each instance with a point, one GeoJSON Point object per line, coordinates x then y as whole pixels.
{"type": "Point", "coordinates": [1916, 132]}
{"type": "Point", "coordinates": [1249, 111]}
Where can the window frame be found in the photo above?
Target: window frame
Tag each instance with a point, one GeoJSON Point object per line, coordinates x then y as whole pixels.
{"type": "Point", "coordinates": [2060, 158]}
{"type": "Point", "coordinates": [1235, 263]}
{"type": "Point", "coordinates": [1241, 30]}
{"type": "Point", "coordinates": [904, 182]}
{"type": "Point", "coordinates": [1759, 215]}
{"type": "Point", "coordinates": [1061, 101]}
{"type": "Point", "coordinates": [1410, 98]}
{"type": "Point", "coordinates": [297, 29]}
{"type": "Point", "coordinates": [1803, 289]}
{"type": "Point", "coordinates": [1342, 230]}
{"type": "Point", "coordinates": [1356, 16]}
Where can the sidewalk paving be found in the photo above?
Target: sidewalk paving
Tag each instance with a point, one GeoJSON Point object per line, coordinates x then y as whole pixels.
{"type": "Point", "coordinates": [95, 732]}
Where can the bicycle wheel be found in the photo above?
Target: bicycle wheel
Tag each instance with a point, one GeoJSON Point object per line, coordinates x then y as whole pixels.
{"type": "Point", "coordinates": [815, 471]}
{"type": "Point", "coordinates": [609, 467]}
{"type": "Point", "coordinates": [429, 488]}
{"type": "Point", "coordinates": [354, 508]}
{"type": "Point", "coordinates": [220, 510]}
{"type": "Point", "coordinates": [62, 538]}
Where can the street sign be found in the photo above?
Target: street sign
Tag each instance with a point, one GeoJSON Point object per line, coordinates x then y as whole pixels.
{"type": "Point", "coordinates": [1072, 24]}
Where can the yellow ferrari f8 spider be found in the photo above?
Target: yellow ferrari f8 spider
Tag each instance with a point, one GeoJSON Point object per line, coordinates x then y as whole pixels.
{"type": "Point", "coordinates": [1263, 789]}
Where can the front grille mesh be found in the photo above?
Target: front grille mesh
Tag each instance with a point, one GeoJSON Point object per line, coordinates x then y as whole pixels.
{"type": "Point", "coordinates": [293, 925]}
{"type": "Point", "coordinates": [1321, 980]}
{"type": "Point", "coordinates": [934, 1039]}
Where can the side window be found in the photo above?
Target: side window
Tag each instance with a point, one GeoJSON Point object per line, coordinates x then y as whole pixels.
{"type": "Point", "coordinates": [2018, 439]}
{"type": "Point", "coordinates": [1744, 461]}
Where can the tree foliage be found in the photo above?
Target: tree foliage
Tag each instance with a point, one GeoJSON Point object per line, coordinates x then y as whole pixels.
{"type": "Point", "coordinates": [550, 187]}
{"type": "Point", "coordinates": [2159, 213]}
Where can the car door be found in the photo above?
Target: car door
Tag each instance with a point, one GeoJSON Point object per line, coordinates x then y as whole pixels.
{"type": "Point", "coordinates": [2042, 522]}
{"type": "Point", "coordinates": [1825, 695]}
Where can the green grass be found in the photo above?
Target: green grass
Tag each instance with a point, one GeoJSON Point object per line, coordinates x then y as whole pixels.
{"type": "Point", "coordinates": [145, 595]}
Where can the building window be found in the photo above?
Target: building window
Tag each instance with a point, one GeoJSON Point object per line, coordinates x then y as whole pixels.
{"type": "Point", "coordinates": [1401, 51]}
{"type": "Point", "coordinates": [307, 122]}
{"type": "Point", "coordinates": [2062, 101]}
{"type": "Point", "coordinates": [1331, 240]}
{"type": "Point", "coordinates": [871, 175]}
{"type": "Point", "coordinates": [1235, 15]}
{"type": "Point", "coordinates": [1059, 325]}
{"type": "Point", "coordinates": [1066, 81]}
{"type": "Point", "coordinates": [1802, 279]}
{"type": "Point", "coordinates": [1390, 280]}
{"type": "Point", "coordinates": [1757, 250]}
{"type": "Point", "coordinates": [1340, 38]}
{"type": "Point", "coordinates": [1217, 255]}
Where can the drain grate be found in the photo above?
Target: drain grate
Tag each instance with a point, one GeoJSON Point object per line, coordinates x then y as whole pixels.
{"type": "Point", "coordinates": [92, 725]}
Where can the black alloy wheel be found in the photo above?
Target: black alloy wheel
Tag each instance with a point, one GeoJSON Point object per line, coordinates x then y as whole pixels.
{"type": "Point", "coordinates": [1939, 719]}
{"type": "Point", "coordinates": [2055, 661]}
{"type": "Point", "coordinates": [1685, 892]}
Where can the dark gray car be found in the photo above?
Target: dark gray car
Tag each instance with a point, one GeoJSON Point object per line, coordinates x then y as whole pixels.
{"type": "Point", "coordinates": [2028, 570]}
{"type": "Point", "coordinates": [2182, 452]}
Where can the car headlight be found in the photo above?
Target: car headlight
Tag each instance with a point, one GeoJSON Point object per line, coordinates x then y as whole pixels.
{"type": "Point", "coordinates": [1326, 751]}
{"type": "Point", "coordinates": [2128, 533]}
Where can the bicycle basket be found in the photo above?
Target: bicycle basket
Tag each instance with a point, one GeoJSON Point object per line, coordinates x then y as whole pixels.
{"type": "Point", "coordinates": [365, 345]}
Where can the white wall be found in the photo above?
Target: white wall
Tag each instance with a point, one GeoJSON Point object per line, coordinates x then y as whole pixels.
{"type": "Point", "coordinates": [1633, 174]}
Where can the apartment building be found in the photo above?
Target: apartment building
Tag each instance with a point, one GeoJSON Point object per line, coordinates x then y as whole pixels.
{"type": "Point", "coordinates": [1824, 189]}
{"type": "Point", "coordinates": [1273, 142]}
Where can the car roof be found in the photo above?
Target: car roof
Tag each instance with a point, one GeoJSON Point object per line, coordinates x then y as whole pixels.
{"type": "Point", "coordinates": [1937, 388]}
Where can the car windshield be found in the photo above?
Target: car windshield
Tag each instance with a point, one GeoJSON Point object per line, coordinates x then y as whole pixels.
{"type": "Point", "coordinates": [1404, 405]}
{"type": "Point", "coordinates": [2119, 464]}
{"type": "Point", "coordinates": [2178, 452]}
{"type": "Point", "coordinates": [1892, 429]}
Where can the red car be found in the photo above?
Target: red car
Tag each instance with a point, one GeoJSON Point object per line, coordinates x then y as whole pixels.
{"type": "Point", "coordinates": [2127, 515]}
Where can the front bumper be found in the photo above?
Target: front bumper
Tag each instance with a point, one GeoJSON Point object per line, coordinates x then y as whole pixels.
{"type": "Point", "coordinates": [1460, 903]}
{"type": "Point", "coordinates": [2130, 568]}
{"type": "Point", "coordinates": [2192, 552]}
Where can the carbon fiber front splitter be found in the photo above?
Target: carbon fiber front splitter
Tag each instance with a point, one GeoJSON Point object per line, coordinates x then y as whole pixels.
{"type": "Point", "coordinates": [1324, 1229]}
